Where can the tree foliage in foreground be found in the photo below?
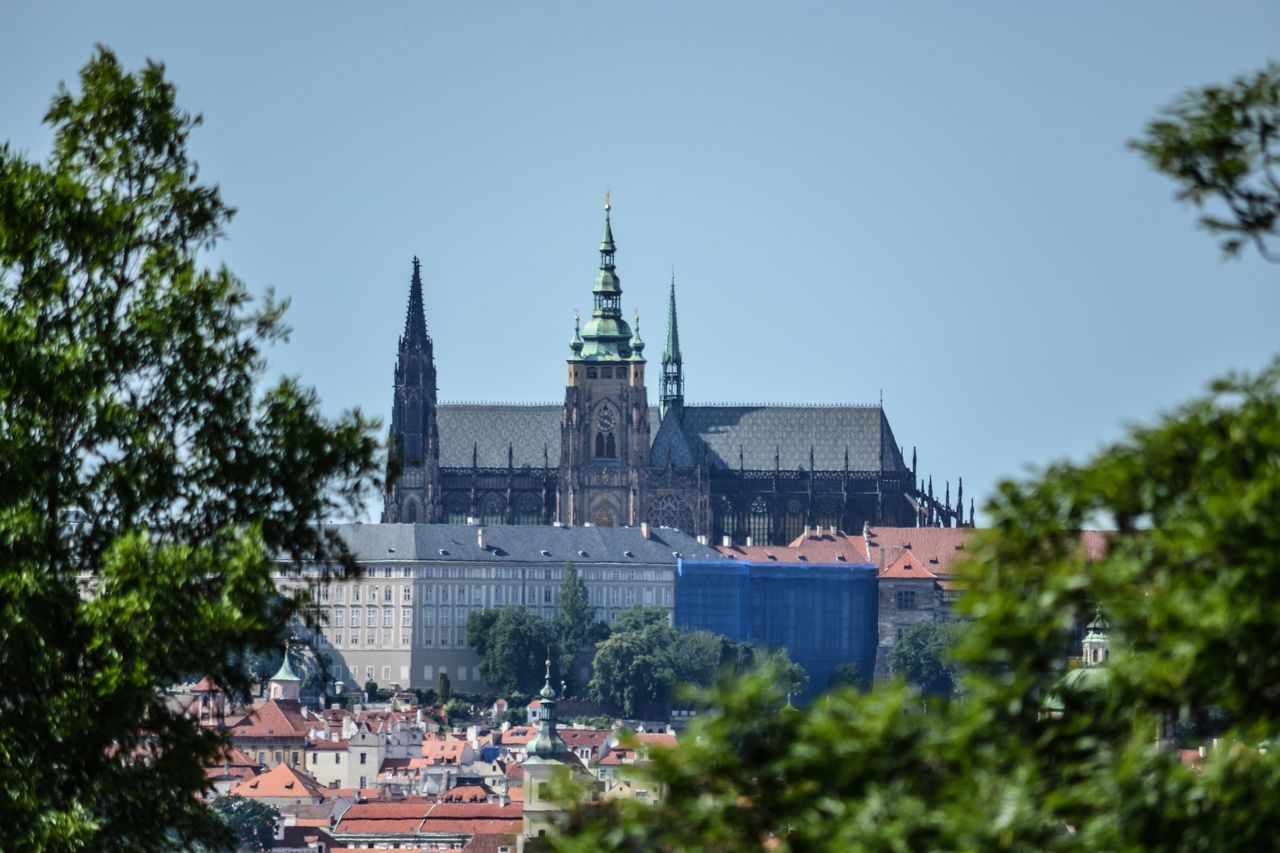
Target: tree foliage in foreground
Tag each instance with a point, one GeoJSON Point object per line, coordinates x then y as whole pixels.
{"type": "Point", "coordinates": [141, 450]}
{"type": "Point", "coordinates": [1222, 145]}
{"type": "Point", "coordinates": [1188, 583]}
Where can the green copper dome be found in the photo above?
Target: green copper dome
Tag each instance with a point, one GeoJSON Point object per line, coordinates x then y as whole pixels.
{"type": "Point", "coordinates": [548, 745]}
{"type": "Point", "coordinates": [286, 672]}
{"type": "Point", "coordinates": [606, 336]}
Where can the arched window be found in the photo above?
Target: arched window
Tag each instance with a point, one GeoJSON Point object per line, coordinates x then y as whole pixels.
{"type": "Point", "coordinates": [411, 512]}
{"type": "Point", "coordinates": [493, 509]}
{"type": "Point", "coordinates": [827, 512]}
{"type": "Point", "coordinates": [456, 508]}
{"type": "Point", "coordinates": [528, 509]}
{"type": "Point", "coordinates": [759, 522]}
{"type": "Point", "coordinates": [724, 519]}
{"type": "Point", "coordinates": [604, 517]}
{"type": "Point", "coordinates": [793, 522]}
{"type": "Point", "coordinates": [606, 444]}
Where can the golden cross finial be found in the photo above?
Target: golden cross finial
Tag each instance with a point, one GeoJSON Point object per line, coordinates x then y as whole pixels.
{"type": "Point", "coordinates": [576, 318]}
{"type": "Point", "coordinates": [607, 206]}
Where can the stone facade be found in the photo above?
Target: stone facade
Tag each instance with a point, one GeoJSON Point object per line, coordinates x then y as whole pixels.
{"type": "Point", "coordinates": [404, 621]}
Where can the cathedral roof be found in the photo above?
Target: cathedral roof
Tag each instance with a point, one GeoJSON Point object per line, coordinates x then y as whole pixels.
{"type": "Point", "coordinates": [759, 432]}
{"type": "Point", "coordinates": [752, 436]}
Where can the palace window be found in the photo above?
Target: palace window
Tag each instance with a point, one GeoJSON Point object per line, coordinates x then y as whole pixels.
{"type": "Point", "coordinates": [386, 593]}
{"type": "Point", "coordinates": [906, 599]}
{"type": "Point", "coordinates": [371, 617]}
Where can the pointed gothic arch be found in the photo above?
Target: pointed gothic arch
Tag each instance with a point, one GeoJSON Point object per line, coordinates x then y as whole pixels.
{"type": "Point", "coordinates": [493, 509]}
{"type": "Point", "coordinates": [604, 517]}
{"type": "Point", "coordinates": [456, 508]}
{"type": "Point", "coordinates": [672, 511]}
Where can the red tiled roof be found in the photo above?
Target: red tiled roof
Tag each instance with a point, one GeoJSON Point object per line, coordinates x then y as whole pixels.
{"type": "Point", "coordinates": [206, 685]}
{"type": "Point", "coordinates": [273, 718]}
{"type": "Point", "coordinates": [279, 782]}
{"type": "Point", "coordinates": [816, 547]}
{"type": "Point", "coordinates": [518, 735]}
{"type": "Point", "coordinates": [651, 739]}
{"type": "Point", "coordinates": [469, 793]}
{"type": "Point", "coordinates": [939, 549]}
{"type": "Point", "coordinates": [907, 567]}
{"type": "Point", "coordinates": [489, 843]}
{"type": "Point", "coordinates": [584, 737]}
{"type": "Point", "coordinates": [513, 770]}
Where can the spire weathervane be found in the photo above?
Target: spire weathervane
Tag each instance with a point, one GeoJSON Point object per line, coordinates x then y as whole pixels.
{"type": "Point", "coordinates": [607, 207]}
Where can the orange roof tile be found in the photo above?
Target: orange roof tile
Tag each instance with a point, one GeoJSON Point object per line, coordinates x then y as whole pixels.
{"type": "Point", "coordinates": [907, 566]}
{"type": "Point", "coordinates": [273, 718]}
{"type": "Point", "coordinates": [281, 781]}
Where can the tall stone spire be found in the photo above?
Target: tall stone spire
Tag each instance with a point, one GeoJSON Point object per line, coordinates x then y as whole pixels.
{"type": "Point", "coordinates": [413, 490]}
{"type": "Point", "coordinates": [415, 319]}
{"type": "Point", "coordinates": [672, 363]}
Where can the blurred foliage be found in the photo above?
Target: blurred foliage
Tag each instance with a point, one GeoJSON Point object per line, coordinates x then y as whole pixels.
{"type": "Point", "coordinates": [144, 454]}
{"type": "Point", "coordinates": [1189, 583]}
{"type": "Point", "coordinates": [1222, 145]}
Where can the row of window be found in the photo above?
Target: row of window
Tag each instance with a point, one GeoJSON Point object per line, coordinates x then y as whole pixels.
{"type": "Point", "coordinates": [357, 592]}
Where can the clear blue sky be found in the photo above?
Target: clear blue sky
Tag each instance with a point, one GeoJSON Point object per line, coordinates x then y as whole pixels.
{"type": "Point", "coordinates": [933, 199]}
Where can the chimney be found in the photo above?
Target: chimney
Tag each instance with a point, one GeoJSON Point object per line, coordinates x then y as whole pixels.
{"type": "Point", "coordinates": [480, 538]}
{"type": "Point", "coordinates": [644, 529]}
{"type": "Point", "coordinates": [702, 539]}
{"type": "Point", "coordinates": [748, 541]}
{"type": "Point", "coordinates": [726, 541]}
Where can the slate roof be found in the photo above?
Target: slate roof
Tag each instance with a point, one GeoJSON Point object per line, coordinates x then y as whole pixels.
{"type": "Point", "coordinates": [760, 430]}
{"type": "Point", "coordinates": [378, 543]}
{"type": "Point", "coordinates": [489, 428]}
{"type": "Point", "coordinates": [790, 431]}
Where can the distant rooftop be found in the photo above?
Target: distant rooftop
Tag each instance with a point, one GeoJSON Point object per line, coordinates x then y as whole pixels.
{"type": "Point", "coordinates": [460, 543]}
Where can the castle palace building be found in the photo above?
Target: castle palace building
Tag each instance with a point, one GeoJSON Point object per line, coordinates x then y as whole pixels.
{"type": "Point", "coordinates": [605, 457]}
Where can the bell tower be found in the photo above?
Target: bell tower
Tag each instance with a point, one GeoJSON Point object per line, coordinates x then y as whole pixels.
{"type": "Point", "coordinates": [413, 470]}
{"type": "Point", "coordinates": [604, 431]}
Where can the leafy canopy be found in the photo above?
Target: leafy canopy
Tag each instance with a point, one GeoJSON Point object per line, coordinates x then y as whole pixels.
{"type": "Point", "coordinates": [144, 456]}
{"type": "Point", "coordinates": [1222, 145]}
{"type": "Point", "coordinates": [1187, 583]}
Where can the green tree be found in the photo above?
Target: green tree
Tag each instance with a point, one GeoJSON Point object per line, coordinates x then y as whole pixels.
{"type": "Point", "coordinates": [513, 643]}
{"type": "Point", "coordinates": [1187, 582]}
{"type": "Point", "coordinates": [633, 670]}
{"type": "Point", "coordinates": [847, 674]}
{"type": "Point", "coordinates": [572, 624]}
{"type": "Point", "coordinates": [143, 453]}
{"type": "Point", "coordinates": [444, 690]}
{"type": "Point", "coordinates": [1222, 145]}
{"type": "Point", "coordinates": [252, 821]}
{"type": "Point", "coordinates": [923, 656]}
{"type": "Point", "coordinates": [638, 617]}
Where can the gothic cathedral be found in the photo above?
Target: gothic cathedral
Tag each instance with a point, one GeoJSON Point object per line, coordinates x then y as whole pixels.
{"type": "Point", "coordinates": [733, 473]}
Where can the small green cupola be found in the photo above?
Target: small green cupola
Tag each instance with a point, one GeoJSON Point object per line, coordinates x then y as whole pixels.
{"type": "Point", "coordinates": [637, 345]}
{"type": "Point", "coordinates": [606, 336]}
{"type": "Point", "coordinates": [1096, 647]}
{"type": "Point", "coordinates": [548, 745]}
{"type": "Point", "coordinates": [284, 685]}
{"type": "Point", "coordinates": [575, 343]}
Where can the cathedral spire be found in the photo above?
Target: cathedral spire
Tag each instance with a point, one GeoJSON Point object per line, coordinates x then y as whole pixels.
{"type": "Point", "coordinates": [672, 363]}
{"type": "Point", "coordinates": [606, 336]}
{"type": "Point", "coordinates": [415, 320]}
